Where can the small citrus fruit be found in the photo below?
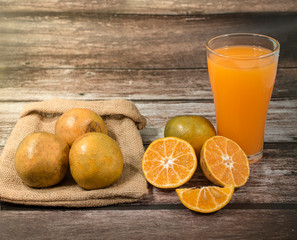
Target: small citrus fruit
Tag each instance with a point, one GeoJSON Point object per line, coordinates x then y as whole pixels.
{"type": "Point", "coordinates": [169, 162]}
{"type": "Point", "coordinates": [205, 199]}
{"type": "Point", "coordinates": [194, 129]}
{"type": "Point", "coordinates": [223, 162]}
{"type": "Point", "coordinates": [78, 121]}
{"type": "Point", "coordinates": [95, 161]}
{"type": "Point", "coordinates": [41, 159]}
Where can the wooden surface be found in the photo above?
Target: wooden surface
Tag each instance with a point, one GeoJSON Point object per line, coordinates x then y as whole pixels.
{"type": "Point", "coordinates": [162, 7]}
{"type": "Point", "coordinates": [150, 52]}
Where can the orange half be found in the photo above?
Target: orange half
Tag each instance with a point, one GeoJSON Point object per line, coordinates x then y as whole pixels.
{"type": "Point", "coordinates": [169, 162]}
{"type": "Point", "coordinates": [205, 199]}
{"type": "Point", "coordinates": [223, 162]}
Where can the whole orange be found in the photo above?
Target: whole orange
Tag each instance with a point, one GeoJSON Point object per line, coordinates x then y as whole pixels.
{"type": "Point", "coordinates": [78, 121]}
{"type": "Point", "coordinates": [41, 159]}
{"type": "Point", "coordinates": [95, 161]}
{"type": "Point", "coordinates": [192, 128]}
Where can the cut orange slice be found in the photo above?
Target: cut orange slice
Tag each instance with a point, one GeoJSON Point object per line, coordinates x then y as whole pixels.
{"type": "Point", "coordinates": [169, 162]}
{"type": "Point", "coordinates": [223, 162]}
{"type": "Point", "coordinates": [205, 199]}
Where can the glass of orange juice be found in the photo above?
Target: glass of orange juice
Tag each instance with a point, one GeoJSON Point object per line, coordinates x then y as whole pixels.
{"type": "Point", "coordinates": [242, 69]}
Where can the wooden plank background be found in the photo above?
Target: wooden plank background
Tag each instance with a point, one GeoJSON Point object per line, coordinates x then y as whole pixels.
{"type": "Point", "coordinates": [116, 41]}
{"type": "Point", "coordinates": [150, 7]}
{"type": "Point", "coordinates": [133, 84]}
{"type": "Point", "coordinates": [150, 52]}
{"type": "Point", "coordinates": [53, 224]}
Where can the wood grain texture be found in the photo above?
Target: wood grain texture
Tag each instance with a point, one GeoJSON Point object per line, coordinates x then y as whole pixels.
{"type": "Point", "coordinates": [80, 40]}
{"type": "Point", "coordinates": [90, 84]}
{"type": "Point", "coordinates": [188, 7]}
{"type": "Point", "coordinates": [281, 118]}
{"type": "Point", "coordinates": [138, 224]}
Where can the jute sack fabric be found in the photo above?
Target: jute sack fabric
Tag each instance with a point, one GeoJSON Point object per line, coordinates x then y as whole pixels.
{"type": "Point", "coordinates": [123, 121]}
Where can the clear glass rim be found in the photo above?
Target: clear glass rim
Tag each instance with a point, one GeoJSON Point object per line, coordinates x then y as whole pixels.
{"type": "Point", "coordinates": [213, 51]}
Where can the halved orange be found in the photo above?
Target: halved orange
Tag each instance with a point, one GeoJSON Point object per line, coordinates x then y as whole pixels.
{"type": "Point", "coordinates": [169, 162]}
{"type": "Point", "coordinates": [205, 199]}
{"type": "Point", "coordinates": [223, 162]}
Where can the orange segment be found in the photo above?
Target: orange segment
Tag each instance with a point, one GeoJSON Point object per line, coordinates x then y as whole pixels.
{"type": "Point", "coordinates": [169, 162]}
{"type": "Point", "coordinates": [205, 199]}
{"type": "Point", "coordinates": [223, 162]}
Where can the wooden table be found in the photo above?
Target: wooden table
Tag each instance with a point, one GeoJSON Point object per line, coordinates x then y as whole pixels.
{"type": "Point", "coordinates": [150, 52]}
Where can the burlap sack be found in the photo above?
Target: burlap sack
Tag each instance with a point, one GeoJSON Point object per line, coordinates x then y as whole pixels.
{"type": "Point", "coordinates": [123, 121]}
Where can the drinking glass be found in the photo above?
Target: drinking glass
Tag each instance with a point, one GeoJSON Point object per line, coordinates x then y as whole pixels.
{"type": "Point", "coordinates": [242, 69]}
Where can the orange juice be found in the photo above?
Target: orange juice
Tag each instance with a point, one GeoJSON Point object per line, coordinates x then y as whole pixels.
{"type": "Point", "coordinates": [242, 79]}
